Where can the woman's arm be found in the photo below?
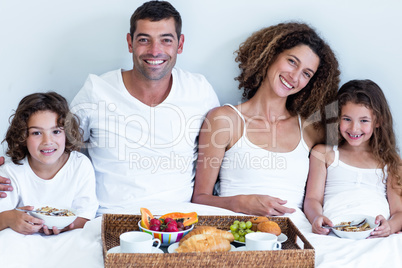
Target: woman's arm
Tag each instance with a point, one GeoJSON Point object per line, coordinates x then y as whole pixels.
{"type": "Point", "coordinates": [220, 130]}
{"type": "Point", "coordinates": [313, 202]}
{"type": "Point", "coordinates": [215, 135]}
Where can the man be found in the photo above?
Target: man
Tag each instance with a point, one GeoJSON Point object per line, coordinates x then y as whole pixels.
{"type": "Point", "coordinates": [141, 125]}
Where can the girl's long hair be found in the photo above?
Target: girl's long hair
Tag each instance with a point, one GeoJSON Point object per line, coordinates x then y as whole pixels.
{"type": "Point", "coordinates": [382, 142]}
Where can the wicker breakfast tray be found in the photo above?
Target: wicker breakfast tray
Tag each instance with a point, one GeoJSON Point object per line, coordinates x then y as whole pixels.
{"type": "Point", "coordinates": [291, 255]}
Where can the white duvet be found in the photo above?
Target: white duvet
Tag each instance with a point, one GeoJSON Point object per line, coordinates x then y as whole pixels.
{"type": "Point", "coordinates": [83, 247]}
{"type": "Point", "coordinates": [332, 251]}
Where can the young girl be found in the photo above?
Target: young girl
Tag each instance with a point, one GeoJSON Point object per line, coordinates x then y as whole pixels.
{"type": "Point", "coordinates": [46, 169]}
{"type": "Point", "coordinates": [363, 174]}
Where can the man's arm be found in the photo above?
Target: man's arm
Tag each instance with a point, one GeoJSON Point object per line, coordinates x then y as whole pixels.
{"type": "Point", "coordinates": [4, 182]}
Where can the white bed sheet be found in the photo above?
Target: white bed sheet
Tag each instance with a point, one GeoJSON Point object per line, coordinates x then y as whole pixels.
{"type": "Point", "coordinates": [83, 247]}
{"type": "Point", "coordinates": [332, 251]}
{"type": "Point", "coordinates": [76, 248]}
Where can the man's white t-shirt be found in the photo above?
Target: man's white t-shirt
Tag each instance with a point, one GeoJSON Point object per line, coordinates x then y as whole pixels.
{"type": "Point", "coordinates": [72, 187]}
{"type": "Point", "coordinates": [142, 153]}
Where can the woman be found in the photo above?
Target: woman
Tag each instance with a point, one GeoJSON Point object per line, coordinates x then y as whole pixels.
{"type": "Point", "coordinates": [259, 149]}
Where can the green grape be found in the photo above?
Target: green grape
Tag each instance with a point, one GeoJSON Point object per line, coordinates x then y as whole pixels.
{"type": "Point", "coordinates": [236, 236]}
{"type": "Point", "coordinates": [240, 228]}
{"type": "Point", "coordinates": [234, 228]}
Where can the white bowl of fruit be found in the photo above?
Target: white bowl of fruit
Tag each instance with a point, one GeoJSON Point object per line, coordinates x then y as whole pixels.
{"type": "Point", "coordinates": [169, 228]}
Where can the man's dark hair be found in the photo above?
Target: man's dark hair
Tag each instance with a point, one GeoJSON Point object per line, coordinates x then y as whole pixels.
{"type": "Point", "coordinates": [155, 11]}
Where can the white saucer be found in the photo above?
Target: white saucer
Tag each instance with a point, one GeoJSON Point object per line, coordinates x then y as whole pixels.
{"type": "Point", "coordinates": [117, 250]}
{"type": "Point", "coordinates": [281, 238]}
{"type": "Point", "coordinates": [172, 247]}
{"type": "Point", "coordinates": [243, 248]}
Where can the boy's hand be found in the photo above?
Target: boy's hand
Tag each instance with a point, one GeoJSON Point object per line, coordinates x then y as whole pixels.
{"type": "Point", "coordinates": [22, 222]}
{"type": "Point", "coordinates": [55, 231]}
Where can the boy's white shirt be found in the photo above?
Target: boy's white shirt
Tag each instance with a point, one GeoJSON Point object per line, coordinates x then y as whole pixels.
{"type": "Point", "coordinates": [72, 187]}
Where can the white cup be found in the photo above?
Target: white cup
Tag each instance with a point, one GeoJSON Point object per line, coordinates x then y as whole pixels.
{"type": "Point", "coordinates": [262, 241]}
{"type": "Point", "coordinates": [137, 242]}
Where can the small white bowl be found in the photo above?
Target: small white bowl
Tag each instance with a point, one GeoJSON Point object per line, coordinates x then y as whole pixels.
{"type": "Point", "coordinates": [354, 235]}
{"type": "Point", "coordinates": [58, 221]}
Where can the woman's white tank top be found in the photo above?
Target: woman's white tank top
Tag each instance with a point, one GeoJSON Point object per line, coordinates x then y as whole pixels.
{"type": "Point", "coordinates": [249, 169]}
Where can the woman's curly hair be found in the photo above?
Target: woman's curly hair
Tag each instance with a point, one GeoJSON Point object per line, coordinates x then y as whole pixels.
{"type": "Point", "coordinates": [262, 48]}
{"type": "Point", "coordinates": [382, 142]}
{"type": "Point", "coordinates": [17, 133]}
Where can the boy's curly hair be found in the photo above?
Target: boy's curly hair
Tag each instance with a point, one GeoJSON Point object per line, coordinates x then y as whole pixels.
{"type": "Point", "coordinates": [262, 48]}
{"type": "Point", "coordinates": [17, 133]}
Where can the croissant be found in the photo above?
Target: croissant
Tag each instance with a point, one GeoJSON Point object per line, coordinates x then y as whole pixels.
{"type": "Point", "coordinates": [208, 230]}
{"type": "Point", "coordinates": [204, 243]}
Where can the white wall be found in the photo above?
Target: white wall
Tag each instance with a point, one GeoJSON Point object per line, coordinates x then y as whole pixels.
{"type": "Point", "coordinates": [53, 45]}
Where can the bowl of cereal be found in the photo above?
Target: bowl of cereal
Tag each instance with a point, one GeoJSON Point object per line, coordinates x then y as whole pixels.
{"type": "Point", "coordinates": [58, 217]}
{"type": "Point", "coordinates": [360, 232]}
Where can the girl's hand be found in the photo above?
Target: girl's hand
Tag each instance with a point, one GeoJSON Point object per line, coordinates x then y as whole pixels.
{"type": "Point", "coordinates": [320, 221]}
{"type": "Point", "coordinates": [55, 231]}
{"type": "Point", "coordinates": [383, 230]}
{"type": "Point", "coordinates": [22, 222]}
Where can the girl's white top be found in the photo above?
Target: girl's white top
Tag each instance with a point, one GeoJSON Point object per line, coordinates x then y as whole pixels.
{"type": "Point", "coordinates": [352, 190]}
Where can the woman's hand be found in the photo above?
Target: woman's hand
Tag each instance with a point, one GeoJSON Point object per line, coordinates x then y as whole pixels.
{"type": "Point", "coordinates": [22, 222]}
{"type": "Point", "coordinates": [320, 221]}
{"type": "Point", "coordinates": [383, 230]}
{"type": "Point", "coordinates": [262, 205]}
